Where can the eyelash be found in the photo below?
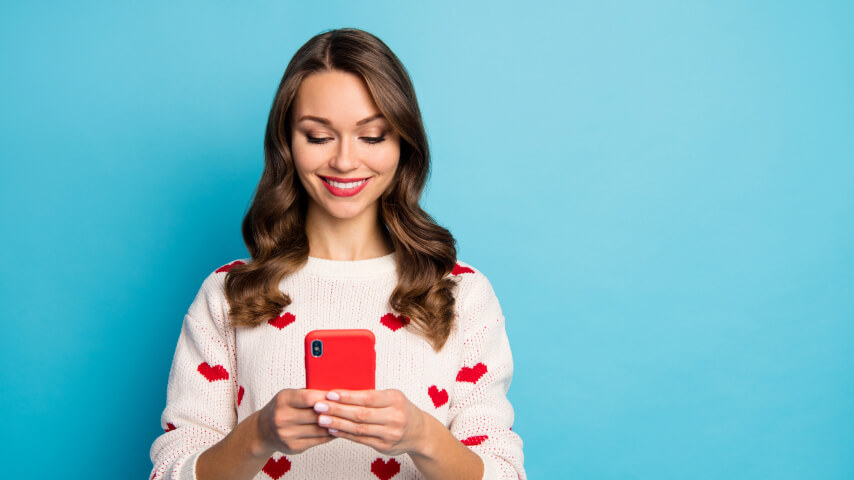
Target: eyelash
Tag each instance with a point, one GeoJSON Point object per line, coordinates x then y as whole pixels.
{"type": "Point", "coordinates": [322, 140]}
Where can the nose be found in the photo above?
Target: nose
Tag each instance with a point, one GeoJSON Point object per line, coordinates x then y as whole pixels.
{"type": "Point", "coordinates": [345, 159]}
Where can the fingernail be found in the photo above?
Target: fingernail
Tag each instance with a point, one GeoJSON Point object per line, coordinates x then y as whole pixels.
{"type": "Point", "coordinates": [321, 407]}
{"type": "Point", "coordinates": [324, 420]}
{"type": "Point", "coordinates": [333, 396]}
{"type": "Point", "coordinates": [333, 431]}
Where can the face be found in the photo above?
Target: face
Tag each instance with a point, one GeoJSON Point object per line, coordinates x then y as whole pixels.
{"type": "Point", "coordinates": [345, 152]}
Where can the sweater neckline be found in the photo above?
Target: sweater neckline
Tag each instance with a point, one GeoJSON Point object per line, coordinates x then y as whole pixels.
{"type": "Point", "coordinates": [368, 267]}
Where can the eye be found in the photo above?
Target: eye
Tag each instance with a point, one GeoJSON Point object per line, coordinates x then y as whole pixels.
{"type": "Point", "coordinates": [317, 139]}
{"type": "Point", "coordinates": [373, 140]}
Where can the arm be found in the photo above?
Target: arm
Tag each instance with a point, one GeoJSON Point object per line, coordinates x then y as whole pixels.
{"type": "Point", "coordinates": [443, 456]}
{"type": "Point", "coordinates": [201, 393]}
{"type": "Point", "coordinates": [481, 415]}
{"type": "Point", "coordinates": [203, 440]}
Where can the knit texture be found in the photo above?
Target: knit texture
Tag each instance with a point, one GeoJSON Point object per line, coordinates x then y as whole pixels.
{"type": "Point", "coordinates": [221, 374]}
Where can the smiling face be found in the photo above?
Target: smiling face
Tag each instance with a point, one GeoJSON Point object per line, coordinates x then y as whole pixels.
{"type": "Point", "coordinates": [345, 152]}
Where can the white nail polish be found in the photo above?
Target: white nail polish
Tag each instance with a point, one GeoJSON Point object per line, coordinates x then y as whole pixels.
{"type": "Point", "coordinates": [333, 396]}
{"type": "Point", "coordinates": [321, 407]}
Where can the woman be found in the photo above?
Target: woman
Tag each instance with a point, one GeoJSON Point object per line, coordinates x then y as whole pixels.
{"type": "Point", "coordinates": [338, 241]}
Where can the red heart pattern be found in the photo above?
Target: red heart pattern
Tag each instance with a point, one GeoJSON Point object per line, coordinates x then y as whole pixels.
{"type": "Point", "coordinates": [170, 427]}
{"type": "Point", "coordinates": [217, 372]}
{"type": "Point", "coordinates": [226, 268]}
{"type": "Point", "coordinates": [276, 468]}
{"type": "Point", "coordinates": [240, 392]}
{"type": "Point", "coordinates": [471, 375]}
{"type": "Point", "coordinates": [459, 269]}
{"type": "Point", "coordinates": [282, 321]}
{"type": "Point", "coordinates": [439, 397]}
{"type": "Point", "coordinates": [394, 322]}
{"type": "Point", "coordinates": [475, 440]}
{"type": "Point", "coordinates": [385, 470]}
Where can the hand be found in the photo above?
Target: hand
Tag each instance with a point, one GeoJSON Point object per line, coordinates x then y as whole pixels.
{"type": "Point", "coordinates": [288, 423]}
{"type": "Point", "coordinates": [384, 420]}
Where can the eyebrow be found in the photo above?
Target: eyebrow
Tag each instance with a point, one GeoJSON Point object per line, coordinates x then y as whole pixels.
{"type": "Point", "coordinates": [327, 122]}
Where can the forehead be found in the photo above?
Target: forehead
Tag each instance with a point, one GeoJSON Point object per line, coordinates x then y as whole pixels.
{"type": "Point", "coordinates": [341, 97]}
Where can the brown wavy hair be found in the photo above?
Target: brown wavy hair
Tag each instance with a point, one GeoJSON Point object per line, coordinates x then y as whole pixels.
{"type": "Point", "coordinates": [274, 225]}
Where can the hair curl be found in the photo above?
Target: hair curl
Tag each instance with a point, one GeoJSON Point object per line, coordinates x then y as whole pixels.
{"type": "Point", "coordinates": [274, 226]}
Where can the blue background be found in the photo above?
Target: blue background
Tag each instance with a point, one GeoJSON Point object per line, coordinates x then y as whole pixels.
{"type": "Point", "coordinates": [660, 193]}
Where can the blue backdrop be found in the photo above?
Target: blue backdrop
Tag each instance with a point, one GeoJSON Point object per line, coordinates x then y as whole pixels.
{"type": "Point", "coordinates": [660, 193]}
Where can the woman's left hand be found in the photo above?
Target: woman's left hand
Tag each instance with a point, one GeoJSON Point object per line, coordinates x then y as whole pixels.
{"type": "Point", "coordinates": [382, 419]}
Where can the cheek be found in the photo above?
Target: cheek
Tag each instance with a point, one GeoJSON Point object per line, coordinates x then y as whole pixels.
{"type": "Point", "coordinates": [388, 160]}
{"type": "Point", "coordinates": [305, 160]}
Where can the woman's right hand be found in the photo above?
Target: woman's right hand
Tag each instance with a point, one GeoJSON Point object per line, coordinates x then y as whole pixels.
{"type": "Point", "coordinates": [288, 423]}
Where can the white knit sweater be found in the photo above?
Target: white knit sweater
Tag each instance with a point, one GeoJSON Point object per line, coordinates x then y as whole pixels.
{"type": "Point", "coordinates": [221, 375]}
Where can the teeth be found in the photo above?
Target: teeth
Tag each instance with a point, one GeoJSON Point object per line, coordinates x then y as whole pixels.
{"type": "Point", "coordinates": [346, 185]}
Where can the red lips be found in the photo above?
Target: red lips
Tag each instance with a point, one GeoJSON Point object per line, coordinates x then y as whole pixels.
{"type": "Point", "coordinates": [344, 192]}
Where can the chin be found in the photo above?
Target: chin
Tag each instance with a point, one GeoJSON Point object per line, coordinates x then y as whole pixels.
{"type": "Point", "coordinates": [345, 212]}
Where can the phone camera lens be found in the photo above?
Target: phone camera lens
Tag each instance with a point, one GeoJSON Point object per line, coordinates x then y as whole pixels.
{"type": "Point", "coordinates": [316, 348]}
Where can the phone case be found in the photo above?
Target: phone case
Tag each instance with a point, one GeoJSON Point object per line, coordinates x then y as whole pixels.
{"type": "Point", "coordinates": [347, 360]}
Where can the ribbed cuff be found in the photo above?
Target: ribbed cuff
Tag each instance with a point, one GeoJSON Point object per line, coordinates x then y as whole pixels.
{"type": "Point", "coordinates": [490, 471]}
{"type": "Point", "coordinates": [188, 467]}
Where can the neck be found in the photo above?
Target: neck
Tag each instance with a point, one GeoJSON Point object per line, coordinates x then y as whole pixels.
{"type": "Point", "coordinates": [358, 238]}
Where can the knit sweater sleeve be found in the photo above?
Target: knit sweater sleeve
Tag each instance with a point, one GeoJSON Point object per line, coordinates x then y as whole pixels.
{"type": "Point", "coordinates": [481, 415]}
{"type": "Point", "coordinates": [201, 393]}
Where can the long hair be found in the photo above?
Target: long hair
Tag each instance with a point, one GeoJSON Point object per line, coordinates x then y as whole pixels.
{"type": "Point", "coordinates": [274, 225]}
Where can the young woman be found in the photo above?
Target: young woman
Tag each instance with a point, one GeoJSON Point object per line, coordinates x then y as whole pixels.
{"type": "Point", "coordinates": [338, 241]}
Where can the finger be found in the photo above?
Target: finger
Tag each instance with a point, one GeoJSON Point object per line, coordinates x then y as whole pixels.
{"type": "Point", "coordinates": [355, 413]}
{"type": "Point", "coordinates": [347, 426]}
{"type": "Point", "coordinates": [373, 442]}
{"type": "Point", "coordinates": [284, 415]}
{"type": "Point", "coordinates": [367, 398]}
{"type": "Point", "coordinates": [308, 431]}
{"type": "Point", "coordinates": [305, 398]}
{"type": "Point", "coordinates": [306, 443]}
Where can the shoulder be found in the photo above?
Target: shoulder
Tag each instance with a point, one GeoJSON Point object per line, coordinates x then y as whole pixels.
{"type": "Point", "coordinates": [216, 278]}
{"type": "Point", "coordinates": [211, 296]}
{"type": "Point", "coordinates": [473, 290]}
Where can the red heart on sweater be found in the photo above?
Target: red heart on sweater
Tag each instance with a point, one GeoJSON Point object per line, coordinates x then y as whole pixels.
{"type": "Point", "coordinates": [170, 427]}
{"type": "Point", "coordinates": [240, 392]}
{"type": "Point", "coordinates": [476, 440]}
{"type": "Point", "coordinates": [217, 372]}
{"type": "Point", "coordinates": [472, 374]}
{"type": "Point", "coordinates": [276, 468]}
{"type": "Point", "coordinates": [394, 322]}
{"type": "Point", "coordinates": [226, 268]}
{"type": "Point", "coordinates": [458, 269]}
{"type": "Point", "coordinates": [439, 397]}
{"type": "Point", "coordinates": [282, 321]}
{"type": "Point", "coordinates": [385, 470]}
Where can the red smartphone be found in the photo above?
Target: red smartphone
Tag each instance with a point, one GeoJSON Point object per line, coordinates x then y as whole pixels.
{"type": "Point", "coordinates": [343, 359]}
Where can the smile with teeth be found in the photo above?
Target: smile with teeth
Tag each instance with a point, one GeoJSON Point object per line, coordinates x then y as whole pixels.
{"type": "Point", "coordinates": [345, 185]}
{"type": "Point", "coordinates": [346, 188]}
